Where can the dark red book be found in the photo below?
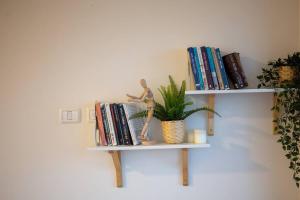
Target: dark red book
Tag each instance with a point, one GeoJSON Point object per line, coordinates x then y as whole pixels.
{"type": "Point", "coordinates": [206, 67]}
{"type": "Point", "coordinates": [232, 70]}
{"type": "Point", "coordinates": [240, 67]}
{"type": "Point", "coordinates": [99, 119]}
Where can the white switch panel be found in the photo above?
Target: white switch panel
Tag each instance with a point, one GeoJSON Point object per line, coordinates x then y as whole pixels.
{"type": "Point", "coordinates": [69, 115]}
{"type": "Point", "coordinates": [91, 115]}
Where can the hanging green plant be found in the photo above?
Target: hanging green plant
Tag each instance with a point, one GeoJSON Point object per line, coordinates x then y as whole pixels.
{"type": "Point", "coordinates": [287, 104]}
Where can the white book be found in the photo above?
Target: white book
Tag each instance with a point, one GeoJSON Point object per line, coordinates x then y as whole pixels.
{"type": "Point", "coordinates": [135, 125]}
{"type": "Point", "coordinates": [111, 125]}
{"type": "Point", "coordinates": [202, 69]}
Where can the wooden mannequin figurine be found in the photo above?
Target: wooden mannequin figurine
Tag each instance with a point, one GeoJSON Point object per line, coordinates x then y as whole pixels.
{"type": "Point", "coordinates": [146, 97]}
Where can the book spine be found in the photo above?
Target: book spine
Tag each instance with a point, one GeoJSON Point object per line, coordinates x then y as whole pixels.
{"type": "Point", "coordinates": [100, 124]}
{"type": "Point", "coordinates": [130, 126]}
{"type": "Point", "coordinates": [110, 124]}
{"type": "Point", "coordinates": [212, 68]}
{"type": "Point", "coordinates": [218, 70]}
{"type": "Point", "coordinates": [105, 124]}
{"type": "Point", "coordinates": [202, 69]}
{"type": "Point", "coordinates": [194, 70]}
{"type": "Point", "coordinates": [118, 123]}
{"type": "Point", "coordinates": [240, 68]}
{"type": "Point", "coordinates": [197, 62]}
{"type": "Point", "coordinates": [206, 67]}
{"type": "Point", "coordinates": [222, 69]}
{"type": "Point", "coordinates": [113, 117]}
{"type": "Point", "coordinates": [127, 138]}
{"type": "Point", "coordinates": [190, 73]}
{"type": "Point", "coordinates": [232, 69]}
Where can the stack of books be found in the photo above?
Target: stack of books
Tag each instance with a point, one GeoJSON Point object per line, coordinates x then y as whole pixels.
{"type": "Point", "coordinates": [113, 126]}
{"type": "Point", "coordinates": [208, 70]}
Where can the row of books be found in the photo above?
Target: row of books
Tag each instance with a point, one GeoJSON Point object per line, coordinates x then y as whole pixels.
{"type": "Point", "coordinates": [208, 70]}
{"type": "Point", "coordinates": [113, 126]}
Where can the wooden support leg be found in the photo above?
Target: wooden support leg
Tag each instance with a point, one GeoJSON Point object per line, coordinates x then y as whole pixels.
{"type": "Point", "coordinates": [275, 114]}
{"type": "Point", "coordinates": [116, 156]}
{"type": "Point", "coordinates": [185, 167]}
{"type": "Point", "coordinates": [210, 115]}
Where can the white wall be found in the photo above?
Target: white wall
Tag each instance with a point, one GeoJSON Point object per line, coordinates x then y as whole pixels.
{"type": "Point", "coordinates": [59, 54]}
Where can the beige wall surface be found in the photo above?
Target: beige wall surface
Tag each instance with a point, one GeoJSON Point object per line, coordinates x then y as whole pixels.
{"type": "Point", "coordinates": [66, 54]}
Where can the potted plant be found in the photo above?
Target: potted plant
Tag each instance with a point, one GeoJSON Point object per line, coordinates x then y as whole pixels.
{"type": "Point", "coordinates": [173, 112]}
{"type": "Point", "coordinates": [287, 105]}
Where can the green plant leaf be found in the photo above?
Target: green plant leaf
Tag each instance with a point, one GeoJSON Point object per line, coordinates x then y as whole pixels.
{"type": "Point", "coordinates": [190, 112]}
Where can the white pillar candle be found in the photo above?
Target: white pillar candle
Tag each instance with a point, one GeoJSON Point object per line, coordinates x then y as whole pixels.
{"type": "Point", "coordinates": [200, 136]}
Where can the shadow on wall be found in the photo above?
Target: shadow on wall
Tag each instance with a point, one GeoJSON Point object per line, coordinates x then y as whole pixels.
{"type": "Point", "coordinates": [231, 156]}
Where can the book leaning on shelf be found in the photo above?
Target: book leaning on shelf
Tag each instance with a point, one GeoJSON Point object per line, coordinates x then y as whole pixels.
{"type": "Point", "coordinates": [113, 126]}
{"type": "Point", "coordinates": [208, 70]}
{"type": "Point", "coordinates": [235, 70]}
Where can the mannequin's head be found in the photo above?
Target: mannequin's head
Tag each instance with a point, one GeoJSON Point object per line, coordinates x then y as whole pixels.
{"type": "Point", "coordinates": [143, 83]}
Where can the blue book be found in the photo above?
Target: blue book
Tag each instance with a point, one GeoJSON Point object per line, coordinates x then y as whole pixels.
{"type": "Point", "coordinates": [222, 68]}
{"type": "Point", "coordinates": [193, 66]}
{"type": "Point", "coordinates": [197, 61]}
{"type": "Point", "coordinates": [212, 68]}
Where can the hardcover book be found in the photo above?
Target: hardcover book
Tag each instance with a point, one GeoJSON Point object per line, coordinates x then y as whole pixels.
{"type": "Point", "coordinates": [126, 131]}
{"type": "Point", "coordinates": [135, 125]}
{"type": "Point", "coordinates": [231, 67]}
{"type": "Point", "coordinates": [202, 69]}
{"type": "Point", "coordinates": [191, 75]}
{"type": "Point", "coordinates": [206, 67]}
{"type": "Point", "coordinates": [111, 125]}
{"type": "Point", "coordinates": [119, 124]}
{"type": "Point", "coordinates": [105, 124]}
{"type": "Point", "coordinates": [194, 69]}
{"type": "Point", "coordinates": [212, 68]}
{"type": "Point", "coordinates": [222, 69]}
{"type": "Point", "coordinates": [100, 124]}
{"type": "Point", "coordinates": [240, 68]}
{"type": "Point", "coordinates": [115, 123]}
{"type": "Point", "coordinates": [198, 68]}
{"type": "Point", "coordinates": [218, 69]}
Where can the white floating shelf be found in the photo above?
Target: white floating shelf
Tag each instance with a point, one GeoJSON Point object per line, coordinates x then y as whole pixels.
{"type": "Point", "coordinates": [149, 147]}
{"type": "Point", "coordinates": [233, 91]}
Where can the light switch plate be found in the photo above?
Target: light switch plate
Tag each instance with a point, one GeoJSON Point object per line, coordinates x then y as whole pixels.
{"type": "Point", "coordinates": [69, 115]}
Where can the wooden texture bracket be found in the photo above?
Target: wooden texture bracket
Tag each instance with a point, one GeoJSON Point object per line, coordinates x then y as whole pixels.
{"type": "Point", "coordinates": [116, 156]}
{"type": "Point", "coordinates": [185, 167]}
{"type": "Point", "coordinates": [210, 115]}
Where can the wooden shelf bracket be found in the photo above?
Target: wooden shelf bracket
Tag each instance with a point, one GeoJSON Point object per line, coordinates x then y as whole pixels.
{"type": "Point", "coordinates": [116, 156]}
{"type": "Point", "coordinates": [210, 115]}
{"type": "Point", "coordinates": [185, 167]}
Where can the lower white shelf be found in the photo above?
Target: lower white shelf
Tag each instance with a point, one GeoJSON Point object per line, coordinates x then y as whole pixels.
{"type": "Point", "coordinates": [149, 147]}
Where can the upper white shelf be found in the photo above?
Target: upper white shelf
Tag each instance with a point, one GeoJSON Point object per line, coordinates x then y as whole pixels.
{"type": "Point", "coordinates": [233, 91]}
{"type": "Point", "coordinates": [149, 147]}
